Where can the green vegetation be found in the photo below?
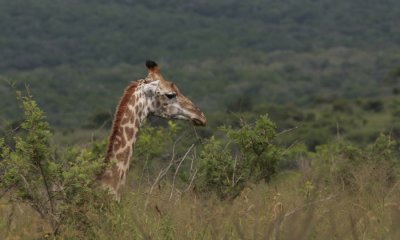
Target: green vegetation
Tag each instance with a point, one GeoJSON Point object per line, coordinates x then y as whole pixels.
{"type": "Point", "coordinates": [57, 186]}
{"type": "Point", "coordinates": [94, 32]}
{"type": "Point", "coordinates": [339, 190]}
{"type": "Point", "coordinates": [256, 159]}
{"type": "Point", "coordinates": [324, 164]}
{"type": "Point", "coordinates": [227, 55]}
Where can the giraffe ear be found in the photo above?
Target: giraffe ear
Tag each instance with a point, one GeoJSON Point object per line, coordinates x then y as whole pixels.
{"type": "Point", "coordinates": [152, 66]}
{"type": "Point", "coordinates": [151, 88]}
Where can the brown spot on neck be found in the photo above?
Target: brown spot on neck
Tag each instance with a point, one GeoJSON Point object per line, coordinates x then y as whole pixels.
{"type": "Point", "coordinates": [129, 132]}
{"type": "Point", "coordinates": [124, 155]}
{"type": "Point", "coordinates": [119, 114]}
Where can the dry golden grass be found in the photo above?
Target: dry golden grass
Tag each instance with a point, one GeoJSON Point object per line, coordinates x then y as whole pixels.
{"type": "Point", "coordinates": [296, 205]}
{"type": "Point", "coordinates": [19, 221]}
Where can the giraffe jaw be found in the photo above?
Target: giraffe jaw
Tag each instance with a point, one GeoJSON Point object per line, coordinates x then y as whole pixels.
{"type": "Point", "coordinates": [194, 115]}
{"type": "Point", "coordinates": [199, 121]}
{"type": "Point", "coordinates": [196, 120]}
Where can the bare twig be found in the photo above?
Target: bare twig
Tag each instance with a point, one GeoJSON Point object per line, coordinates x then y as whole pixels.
{"type": "Point", "coordinates": [102, 127]}
{"type": "Point", "coordinates": [34, 204]}
{"type": "Point", "coordinates": [234, 171]}
{"type": "Point", "coordinates": [162, 173]}
{"type": "Point", "coordinates": [47, 186]}
{"type": "Point", "coordinates": [28, 91]}
{"type": "Point", "coordinates": [242, 121]}
{"type": "Point", "coordinates": [337, 130]}
{"type": "Point", "coordinates": [197, 135]}
{"type": "Point", "coordinates": [191, 181]}
{"type": "Point", "coordinates": [309, 204]}
{"type": "Point", "coordinates": [177, 169]}
{"type": "Point", "coordinates": [192, 162]}
{"type": "Point", "coordinates": [287, 130]}
{"type": "Point", "coordinates": [10, 216]}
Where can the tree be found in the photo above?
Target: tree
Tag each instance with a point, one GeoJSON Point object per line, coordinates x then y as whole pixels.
{"type": "Point", "coordinates": [56, 186]}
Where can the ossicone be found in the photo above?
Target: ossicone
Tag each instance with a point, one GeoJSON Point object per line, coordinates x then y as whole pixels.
{"type": "Point", "coordinates": [151, 64]}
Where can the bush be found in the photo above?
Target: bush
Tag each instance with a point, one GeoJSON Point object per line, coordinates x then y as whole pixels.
{"type": "Point", "coordinates": [249, 156]}
{"type": "Point", "coordinates": [342, 162]}
{"type": "Point", "coordinates": [57, 186]}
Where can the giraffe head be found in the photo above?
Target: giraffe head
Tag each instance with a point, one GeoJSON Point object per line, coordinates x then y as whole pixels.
{"type": "Point", "coordinates": [166, 99]}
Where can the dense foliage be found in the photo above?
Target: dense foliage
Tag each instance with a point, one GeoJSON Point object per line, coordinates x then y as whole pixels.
{"type": "Point", "coordinates": [248, 156]}
{"type": "Point", "coordinates": [57, 186]}
{"type": "Point", "coordinates": [308, 199]}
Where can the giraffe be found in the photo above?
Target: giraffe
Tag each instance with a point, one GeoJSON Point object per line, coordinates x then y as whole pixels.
{"type": "Point", "coordinates": [153, 95]}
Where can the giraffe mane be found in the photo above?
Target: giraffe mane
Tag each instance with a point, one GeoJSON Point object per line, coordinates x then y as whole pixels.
{"type": "Point", "coordinates": [122, 105]}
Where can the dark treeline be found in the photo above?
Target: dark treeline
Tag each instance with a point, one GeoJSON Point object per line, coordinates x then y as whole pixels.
{"type": "Point", "coordinates": [292, 59]}
{"type": "Point", "coordinates": [49, 33]}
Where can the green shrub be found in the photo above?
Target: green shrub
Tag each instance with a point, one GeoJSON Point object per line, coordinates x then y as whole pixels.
{"type": "Point", "coordinates": [259, 154]}
{"type": "Point", "coordinates": [249, 156]}
{"type": "Point", "coordinates": [57, 186]}
{"type": "Point", "coordinates": [342, 161]}
{"type": "Point", "coordinates": [218, 169]}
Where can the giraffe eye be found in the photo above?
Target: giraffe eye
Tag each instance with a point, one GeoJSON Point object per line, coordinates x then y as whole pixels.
{"type": "Point", "coordinates": [170, 95]}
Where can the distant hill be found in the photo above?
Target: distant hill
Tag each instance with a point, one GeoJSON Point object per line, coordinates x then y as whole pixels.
{"type": "Point", "coordinates": [47, 33]}
{"type": "Point", "coordinates": [78, 55]}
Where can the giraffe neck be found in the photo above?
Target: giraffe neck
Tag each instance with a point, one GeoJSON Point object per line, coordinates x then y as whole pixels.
{"type": "Point", "coordinates": [131, 112]}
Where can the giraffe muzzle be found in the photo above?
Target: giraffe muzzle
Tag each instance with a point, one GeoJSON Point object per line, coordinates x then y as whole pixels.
{"type": "Point", "coordinates": [199, 120]}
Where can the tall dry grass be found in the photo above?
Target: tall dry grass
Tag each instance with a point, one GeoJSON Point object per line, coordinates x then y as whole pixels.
{"type": "Point", "coordinates": [309, 203]}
